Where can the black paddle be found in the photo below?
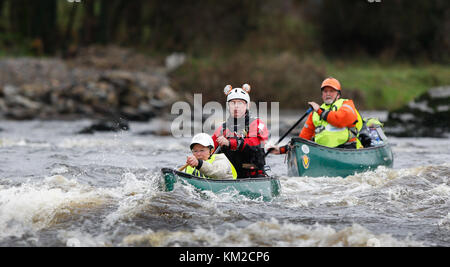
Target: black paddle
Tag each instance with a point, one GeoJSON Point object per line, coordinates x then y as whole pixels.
{"type": "Point", "coordinates": [292, 128]}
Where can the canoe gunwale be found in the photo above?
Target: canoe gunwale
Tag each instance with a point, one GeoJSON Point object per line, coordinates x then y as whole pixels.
{"type": "Point", "coordinates": [239, 180]}
{"type": "Point", "coordinates": [254, 188]}
{"type": "Point", "coordinates": [311, 143]}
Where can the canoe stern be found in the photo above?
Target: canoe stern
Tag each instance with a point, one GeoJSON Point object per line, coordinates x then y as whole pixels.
{"type": "Point", "coordinates": [307, 158]}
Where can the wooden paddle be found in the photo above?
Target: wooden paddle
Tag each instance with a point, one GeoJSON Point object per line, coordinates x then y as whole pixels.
{"type": "Point", "coordinates": [185, 165]}
{"type": "Point", "coordinates": [292, 128]}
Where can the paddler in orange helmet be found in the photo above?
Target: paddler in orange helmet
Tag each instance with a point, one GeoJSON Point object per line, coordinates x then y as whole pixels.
{"type": "Point", "coordinates": [336, 123]}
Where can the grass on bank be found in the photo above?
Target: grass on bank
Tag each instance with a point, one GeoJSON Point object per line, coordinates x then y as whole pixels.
{"type": "Point", "coordinates": [388, 86]}
{"type": "Point", "coordinates": [292, 80]}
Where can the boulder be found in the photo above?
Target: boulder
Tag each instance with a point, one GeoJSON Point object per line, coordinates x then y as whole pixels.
{"type": "Point", "coordinates": [426, 116]}
{"type": "Point", "coordinates": [92, 87]}
{"type": "Point", "coordinates": [112, 125]}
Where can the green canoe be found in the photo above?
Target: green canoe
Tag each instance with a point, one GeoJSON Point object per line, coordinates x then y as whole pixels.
{"type": "Point", "coordinates": [265, 187]}
{"type": "Point", "coordinates": [306, 158]}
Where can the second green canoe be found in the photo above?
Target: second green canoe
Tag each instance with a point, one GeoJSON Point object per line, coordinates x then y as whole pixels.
{"type": "Point", "coordinates": [306, 158]}
{"type": "Point", "coordinates": [265, 187]}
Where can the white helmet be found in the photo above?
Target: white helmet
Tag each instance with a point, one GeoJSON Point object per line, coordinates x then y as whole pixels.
{"type": "Point", "coordinates": [238, 93]}
{"type": "Point", "coordinates": [202, 139]}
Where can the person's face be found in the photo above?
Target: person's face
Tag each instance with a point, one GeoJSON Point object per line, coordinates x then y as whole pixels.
{"type": "Point", "coordinates": [329, 95]}
{"type": "Point", "coordinates": [201, 152]}
{"type": "Point", "coordinates": [237, 107]}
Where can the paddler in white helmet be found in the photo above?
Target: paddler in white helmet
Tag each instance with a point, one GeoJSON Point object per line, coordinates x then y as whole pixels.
{"type": "Point", "coordinates": [242, 137]}
{"type": "Point", "coordinates": [205, 163]}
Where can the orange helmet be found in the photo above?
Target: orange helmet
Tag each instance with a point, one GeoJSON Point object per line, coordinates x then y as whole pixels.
{"type": "Point", "coordinates": [332, 82]}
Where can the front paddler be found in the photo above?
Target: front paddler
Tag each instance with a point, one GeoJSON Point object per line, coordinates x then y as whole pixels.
{"type": "Point", "coordinates": [205, 163]}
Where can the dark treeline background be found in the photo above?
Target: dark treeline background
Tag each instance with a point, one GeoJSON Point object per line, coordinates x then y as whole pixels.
{"type": "Point", "coordinates": [400, 29]}
{"type": "Point", "coordinates": [384, 53]}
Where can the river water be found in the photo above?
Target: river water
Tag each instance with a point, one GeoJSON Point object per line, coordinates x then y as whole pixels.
{"type": "Point", "coordinates": [59, 188]}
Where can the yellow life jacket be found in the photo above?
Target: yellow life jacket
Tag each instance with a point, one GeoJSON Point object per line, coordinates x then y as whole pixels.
{"type": "Point", "coordinates": [330, 136]}
{"type": "Point", "coordinates": [194, 171]}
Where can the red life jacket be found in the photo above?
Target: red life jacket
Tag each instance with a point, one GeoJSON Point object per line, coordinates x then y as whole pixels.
{"type": "Point", "coordinates": [247, 136]}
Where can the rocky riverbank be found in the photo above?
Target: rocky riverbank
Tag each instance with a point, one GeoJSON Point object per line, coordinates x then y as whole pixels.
{"type": "Point", "coordinates": [98, 83]}
{"type": "Point", "coordinates": [426, 116]}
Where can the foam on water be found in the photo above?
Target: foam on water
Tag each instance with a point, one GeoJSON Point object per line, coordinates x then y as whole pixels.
{"type": "Point", "coordinates": [445, 222]}
{"type": "Point", "coordinates": [133, 197]}
{"type": "Point", "coordinates": [269, 233]}
{"type": "Point", "coordinates": [39, 205]}
{"type": "Point", "coordinates": [43, 204]}
{"type": "Point", "coordinates": [21, 142]}
{"type": "Point", "coordinates": [306, 191]}
{"type": "Point", "coordinates": [64, 189]}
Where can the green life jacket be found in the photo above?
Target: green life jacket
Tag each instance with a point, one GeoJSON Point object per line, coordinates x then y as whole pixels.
{"type": "Point", "coordinates": [330, 136]}
{"type": "Point", "coordinates": [194, 171]}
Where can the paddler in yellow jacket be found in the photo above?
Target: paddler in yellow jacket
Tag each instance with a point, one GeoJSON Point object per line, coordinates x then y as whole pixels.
{"type": "Point", "coordinates": [336, 123]}
{"type": "Point", "coordinates": [205, 163]}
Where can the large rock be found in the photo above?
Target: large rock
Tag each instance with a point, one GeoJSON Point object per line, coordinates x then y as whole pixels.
{"type": "Point", "coordinates": [426, 116]}
{"type": "Point", "coordinates": [112, 125]}
{"type": "Point", "coordinates": [53, 89]}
